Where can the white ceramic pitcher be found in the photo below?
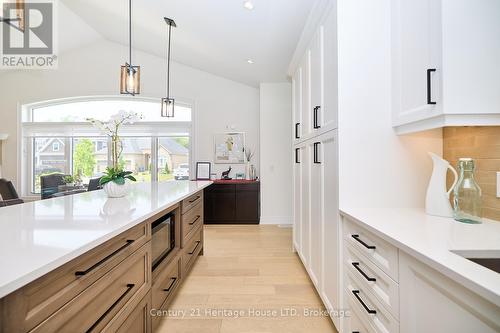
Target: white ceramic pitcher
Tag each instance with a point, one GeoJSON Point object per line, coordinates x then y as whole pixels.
{"type": "Point", "coordinates": [437, 201]}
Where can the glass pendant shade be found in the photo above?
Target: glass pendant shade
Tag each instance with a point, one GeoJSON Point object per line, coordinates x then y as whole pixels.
{"type": "Point", "coordinates": [167, 107]}
{"type": "Point", "coordinates": [130, 80]}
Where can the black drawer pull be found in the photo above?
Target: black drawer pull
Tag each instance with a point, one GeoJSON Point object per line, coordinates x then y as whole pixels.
{"type": "Point", "coordinates": [130, 286]}
{"type": "Point", "coordinates": [196, 219]}
{"type": "Point", "coordinates": [194, 250]}
{"type": "Point", "coordinates": [171, 284]}
{"type": "Point", "coordinates": [297, 154]}
{"type": "Point", "coordinates": [297, 136]}
{"type": "Point", "coordinates": [316, 153]}
{"type": "Point", "coordinates": [356, 265]}
{"type": "Point", "coordinates": [356, 292]}
{"type": "Point", "coordinates": [371, 247]}
{"type": "Point", "coordinates": [429, 86]}
{"type": "Point", "coordinates": [88, 270]}
{"type": "Point", "coordinates": [197, 197]}
{"type": "Point", "coordinates": [315, 117]}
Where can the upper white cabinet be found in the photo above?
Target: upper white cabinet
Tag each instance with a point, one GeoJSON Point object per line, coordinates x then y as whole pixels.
{"type": "Point", "coordinates": [446, 63]}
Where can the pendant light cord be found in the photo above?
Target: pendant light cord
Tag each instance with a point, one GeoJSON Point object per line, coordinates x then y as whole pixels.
{"type": "Point", "coordinates": [130, 35]}
{"type": "Point", "coordinates": [168, 60]}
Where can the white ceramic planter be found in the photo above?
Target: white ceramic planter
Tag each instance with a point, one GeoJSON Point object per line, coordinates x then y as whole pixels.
{"type": "Point", "coordinates": [113, 190]}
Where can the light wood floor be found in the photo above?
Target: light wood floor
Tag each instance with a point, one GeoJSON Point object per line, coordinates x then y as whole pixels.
{"type": "Point", "coordinates": [246, 269]}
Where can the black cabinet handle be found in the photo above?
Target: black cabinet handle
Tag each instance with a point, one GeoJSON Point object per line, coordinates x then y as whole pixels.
{"type": "Point", "coordinates": [356, 294]}
{"type": "Point", "coordinates": [130, 286]}
{"type": "Point", "coordinates": [315, 117]}
{"type": "Point", "coordinates": [356, 265]}
{"type": "Point", "coordinates": [297, 136]}
{"type": "Point", "coordinates": [316, 153]}
{"type": "Point", "coordinates": [197, 243]}
{"type": "Point", "coordinates": [297, 154]}
{"type": "Point", "coordinates": [171, 284]}
{"type": "Point", "coordinates": [99, 263]}
{"type": "Point", "coordinates": [197, 197]}
{"type": "Point", "coordinates": [196, 219]}
{"type": "Point", "coordinates": [429, 86]}
{"type": "Point", "coordinates": [356, 237]}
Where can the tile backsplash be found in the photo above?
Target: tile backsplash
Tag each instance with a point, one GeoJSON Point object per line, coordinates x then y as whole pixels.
{"type": "Point", "coordinates": [483, 145]}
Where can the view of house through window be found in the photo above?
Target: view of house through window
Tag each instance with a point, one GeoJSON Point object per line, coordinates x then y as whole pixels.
{"type": "Point", "coordinates": [87, 157]}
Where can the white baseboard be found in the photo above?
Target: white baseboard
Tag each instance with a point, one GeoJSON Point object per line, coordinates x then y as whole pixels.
{"type": "Point", "coordinates": [275, 220]}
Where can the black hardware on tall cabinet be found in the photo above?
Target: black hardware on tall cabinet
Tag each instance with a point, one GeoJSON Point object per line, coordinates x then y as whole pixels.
{"type": "Point", "coordinates": [297, 136]}
{"type": "Point", "coordinates": [356, 265]}
{"type": "Point", "coordinates": [429, 86]}
{"type": "Point", "coordinates": [315, 117]}
{"type": "Point", "coordinates": [297, 153]}
{"type": "Point", "coordinates": [356, 292]}
{"type": "Point", "coordinates": [371, 247]}
{"type": "Point", "coordinates": [316, 153]}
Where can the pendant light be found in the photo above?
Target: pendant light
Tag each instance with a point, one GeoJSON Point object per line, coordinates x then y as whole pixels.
{"type": "Point", "coordinates": [130, 78]}
{"type": "Point", "coordinates": [167, 103]}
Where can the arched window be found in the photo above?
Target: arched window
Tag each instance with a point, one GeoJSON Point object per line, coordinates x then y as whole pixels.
{"type": "Point", "coordinates": [56, 138]}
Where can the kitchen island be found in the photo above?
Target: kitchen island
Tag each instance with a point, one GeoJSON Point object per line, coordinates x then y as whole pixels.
{"type": "Point", "coordinates": [64, 259]}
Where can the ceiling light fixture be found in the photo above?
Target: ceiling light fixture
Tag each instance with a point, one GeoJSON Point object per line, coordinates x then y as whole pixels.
{"type": "Point", "coordinates": [167, 103]}
{"type": "Point", "coordinates": [248, 4]}
{"type": "Point", "coordinates": [250, 61]}
{"type": "Point", "coordinates": [130, 76]}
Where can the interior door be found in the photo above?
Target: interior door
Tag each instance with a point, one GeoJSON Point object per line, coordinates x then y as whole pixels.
{"type": "Point", "coordinates": [416, 40]}
{"type": "Point", "coordinates": [331, 233]}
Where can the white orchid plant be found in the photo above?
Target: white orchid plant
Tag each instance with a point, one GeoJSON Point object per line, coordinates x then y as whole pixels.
{"type": "Point", "coordinates": [111, 128]}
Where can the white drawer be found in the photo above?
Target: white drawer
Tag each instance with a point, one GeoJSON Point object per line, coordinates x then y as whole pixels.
{"type": "Point", "coordinates": [369, 309]}
{"type": "Point", "coordinates": [380, 252]}
{"type": "Point", "coordinates": [355, 324]}
{"type": "Point", "coordinates": [373, 279]}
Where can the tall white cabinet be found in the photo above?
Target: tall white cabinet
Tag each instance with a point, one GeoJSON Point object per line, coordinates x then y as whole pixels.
{"type": "Point", "coordinates": [315, 109]}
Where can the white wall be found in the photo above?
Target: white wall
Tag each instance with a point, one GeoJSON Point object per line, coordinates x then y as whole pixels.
{"type": "Point", "coordinates": [275, 158]}
{"type": "Point", "coordinates": [377, 168]}
{"type": "Point", "coordinates": [93, 69]}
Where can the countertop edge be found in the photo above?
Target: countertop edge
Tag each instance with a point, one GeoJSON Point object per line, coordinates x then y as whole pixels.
{"type": "Point", "coordinates": [24, 280]}
{"type": "Point", "coordinates": [466, 282]}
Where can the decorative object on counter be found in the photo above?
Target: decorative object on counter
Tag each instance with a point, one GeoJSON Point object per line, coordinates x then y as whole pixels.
{"type": "Point", "coordinates": [230, 148]}
{"type": "Point", "coordinates": [248, 157]}
{"type": "Point", "coordinates": [213, 176]}
{"type": "Point", "coordinates": [203, 170]}
{"type": "Point", "coordinates": [467, 201]}
{"type": "Point", "coordinates": [167, 103]}
{"type": "Point", "coordinates": [114, 181]}
{"type": "Point", "coordinates": [130, 75]}
{"type": "Point", "coordinates": [437, 201]}
{"type": "Point", "coordinates": [225, 174]}
{"type": "Point", "coordinates": [117, 207]}
{"type": "Point", "coordinates": [240, 175]}
{"type": "Point", "coordinates": [253, 172]}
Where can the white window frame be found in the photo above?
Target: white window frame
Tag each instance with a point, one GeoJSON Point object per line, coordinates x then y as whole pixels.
{"type": "Point", "coordinates": [154, 130]}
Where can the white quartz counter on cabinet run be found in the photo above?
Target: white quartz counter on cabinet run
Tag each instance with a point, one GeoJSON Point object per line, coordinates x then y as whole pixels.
{"type": "Point", "coordinates": [37, 237]}
{"type": "Point", "coordinates": [432, 240]}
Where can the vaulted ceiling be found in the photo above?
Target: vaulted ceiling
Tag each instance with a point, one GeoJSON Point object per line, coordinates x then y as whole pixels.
{"type": "Point", "coordinates": [217, 36]}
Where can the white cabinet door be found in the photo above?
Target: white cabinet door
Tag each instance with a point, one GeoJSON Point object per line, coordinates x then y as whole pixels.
{"type": "Point", "coordinates": [430, 302]}
{"type": "Point", "coordinates": [316, 77]}
{"type": "Point", "coordinates": [331, 233]}
{"type": "Point", "coordinates": [304, 205]}
{"type": "Point", "coordinates": [297, 104]}
{"type": "Point", "coordinates": [305, 114]}
{"type": "Point", "coordinates": [297, 197]}
{"type": "Point", "coordinates": [329, 110]}
{"type": "Point", "coordinates": [316, 182]}
{"type": "Point", "coordinates": [416, 57]}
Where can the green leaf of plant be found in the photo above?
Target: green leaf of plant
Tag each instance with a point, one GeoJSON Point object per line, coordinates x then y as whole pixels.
{"type": "Point", "coordinates": [132, 178]}
{"type": "Point", "coordinates": [119, 181]}
{"type": "Point", "coordinates": [104, 180]}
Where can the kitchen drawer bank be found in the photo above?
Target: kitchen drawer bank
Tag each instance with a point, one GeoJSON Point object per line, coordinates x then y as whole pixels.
{"type": "Point", "coordinates": [111, 288]}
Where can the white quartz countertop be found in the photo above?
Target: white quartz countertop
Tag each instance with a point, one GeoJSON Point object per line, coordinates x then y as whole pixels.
{"type": "Point", "coordinates": [37, 237]}
{"type": "Point", "coordinates": [432, 239]}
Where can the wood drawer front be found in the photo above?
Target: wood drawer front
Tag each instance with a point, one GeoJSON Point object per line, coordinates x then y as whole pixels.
{"type": "Point", "coordinates": [136, 320]}
{"type": "Point", "coordinates": [166, 283]}
{"type": "Point", "coordinates": [361, 301]}
{"type": "Point", "coordinates": [380, 252]}
{"type": "Point", "coordinates": [192, 250]}
{"type": "Point", "coordinates": [32, 304]}
{"type": "Point", "coordinates": [91, 311]}
{"type": "Point", "coordinates": [373, 278]}
{"type": "Point", "coordinates": [191, 221]}
{"type": "Point", "coordinates": [191, 201]}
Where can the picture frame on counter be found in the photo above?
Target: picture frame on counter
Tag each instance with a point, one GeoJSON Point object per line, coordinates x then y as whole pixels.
{"type": "Point", "coordinates": [203, 170]}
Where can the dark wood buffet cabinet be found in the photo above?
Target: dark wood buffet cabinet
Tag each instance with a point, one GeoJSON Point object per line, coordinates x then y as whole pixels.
{"type": "Point", "coordinates": [232, 202]}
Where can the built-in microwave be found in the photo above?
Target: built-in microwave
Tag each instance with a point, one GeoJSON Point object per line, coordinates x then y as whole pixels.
{"type": "Point", "coordinates": [162, 238]}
